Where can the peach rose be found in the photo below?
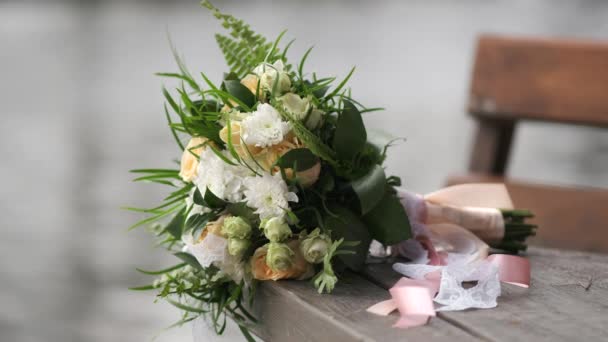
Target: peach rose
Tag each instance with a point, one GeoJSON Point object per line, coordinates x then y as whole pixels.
{"type": "Point", "coordinates": [251, 82]}
{"type": "Point", "coordinates": [213, 227]}
{"type": "Point", "coordinates": [235, 139]}
{"type": "Point", "coordinates": [189, 162]}
{"type": "Point", "coordinates": [300, 269]}
{"type": "Point", "coordinates": [267, 157]}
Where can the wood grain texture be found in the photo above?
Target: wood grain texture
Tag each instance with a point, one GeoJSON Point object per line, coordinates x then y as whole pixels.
{"type": "Point", "coordinates": [567, 301]}
{"type": "Point", "coordinates": [294, 311]}
{"type": "Point", "coordinates": [552, 80]}
{"type": "Point", "coordinates": [492, 146]}
{"type": "Point", "coordinates": [568, 217]}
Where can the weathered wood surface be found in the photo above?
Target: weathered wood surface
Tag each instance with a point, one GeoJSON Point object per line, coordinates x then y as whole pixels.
{"type": "Point", "coordinates": [570, 217]}
{"type": "Point", "coordinates": [294, 311]}
{"type": "Point", "coordinates": [492, 146]}
{"type": "Point", "coordinates": [540, 79]}
{"type": "Point", "coordinates": [567, 301]}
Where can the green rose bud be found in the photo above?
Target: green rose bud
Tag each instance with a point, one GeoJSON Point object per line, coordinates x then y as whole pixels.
{"type": "Point", "coordinates": [237, 247]}
{"type": "Point", "coordinates": [295, 105]}
{"type": "Point", "coordinates": [279, 256]}
{"type": "Point", "coordinates": [236, 227]}
{"type": "Point", "coordinates": [314, 118]}
{"type": "Point", "coordinates": [276, 230]}
{"type": "Point", "coordinates": [315, 246]}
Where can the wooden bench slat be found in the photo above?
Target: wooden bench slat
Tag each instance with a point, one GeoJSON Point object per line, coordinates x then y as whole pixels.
{"type": "Point", "coordinates": [567, 301]}
{"type": "Point", "coordinates": [540, 79]}
{"type": "Point", "coordinates": [293, 311]}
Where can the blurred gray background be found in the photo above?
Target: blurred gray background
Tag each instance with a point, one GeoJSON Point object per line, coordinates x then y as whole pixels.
{"type": "Point", "coordinates": [81, 106]}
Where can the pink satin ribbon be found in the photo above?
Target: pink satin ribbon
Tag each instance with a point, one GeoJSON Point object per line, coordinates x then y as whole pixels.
{"type": "Point", "coordinates": [414, 298]}
{"type": "Point", "coordinates": [435, 258]}
{"type": "Point", "coordinates": [512, 269]}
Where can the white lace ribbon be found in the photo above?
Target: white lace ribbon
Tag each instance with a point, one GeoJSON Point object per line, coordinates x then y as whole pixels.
{"type": "Point", "coordinates": [452, 294]}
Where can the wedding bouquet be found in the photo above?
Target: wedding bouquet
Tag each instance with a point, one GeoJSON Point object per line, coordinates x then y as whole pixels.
{"type": "Point", "coordinates": [279, 179]}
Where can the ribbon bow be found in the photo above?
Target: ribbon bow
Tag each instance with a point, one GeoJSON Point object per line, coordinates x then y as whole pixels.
{"type": "Point", "coordinates": [452, 225]}
{"type": "Point", "coordinates": [413, 298]}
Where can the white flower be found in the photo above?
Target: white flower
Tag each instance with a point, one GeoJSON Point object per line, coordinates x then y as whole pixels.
{"type": "Point", "coordinates": [264, 127]}
{"type": "Point", "coordinates": [268, 195]}
{"type": "Point", "coordinates": [212, 250]}
{"type": "Point", "coordinates": [267, 73]}
{"type": "Point", "coordinates": [221, 178]}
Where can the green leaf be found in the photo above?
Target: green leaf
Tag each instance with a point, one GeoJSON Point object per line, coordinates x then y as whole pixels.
{"type": "Point", "coordinates": [347, 225]}
{"type": "Point", "coordinates": [388, 221]}
{"type": "Point", "coordinates": [142, 288]}
{"type": "Point", "coordinates": [236, 89]}
{"type": "Point", "coordinates": [198, 221]}
{"type": "Point", "coordinates": [163, 171]}
{"type": "Point", "coordinates": [310, 140]}
{"type": "Point", "coordinates": [163, 271]}
{"type": "Point", "coordinates": [213, 201]}
{"type": "Point", "coordinates": [350, 135]}
{"type": "Point", "coordinates": [246, 333]}
{"type": "Point", "coordinates": [197, 198]}
{"type": "Point", "coordinates": [229, 143]}
{"type": "Point", "coordinates": [173, 132]}
{"type": "Point", "coordinates": [326, 182]}
{"type": "Point", "coordinates": [302, 61]}
{"type": "Point", "coordinates": [241, 209]}
{"type": "Point", "coordinates": [186, 307]}
{"type": "Point", "coordinates": [370, 188]}
{"type": "Point", "coordinates": [340, 86]}
{"type": "Point", "coordinates": [210, 200]}
{"type": "Point", "coordinates": [220, 155]}
{"type": "Point", "coordinates": [381, 141]}
{"type": "Point", "coordinates": [185, 78]}
{"type": "Point", "coordinates": [176, 225]}
{"type": "Point", "coordinates": [302, 157]}
{"type": "Point", "coordinates": [189, 259]}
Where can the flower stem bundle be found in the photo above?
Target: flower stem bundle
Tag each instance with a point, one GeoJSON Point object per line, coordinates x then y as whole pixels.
{"type": "Point", "coordinates": [516, 230]}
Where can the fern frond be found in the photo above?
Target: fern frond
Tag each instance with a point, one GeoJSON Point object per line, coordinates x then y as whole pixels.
{"type": "Point", "coordinates": [243, 48]}
{"type": "Point", "coordinates": [237, 55]}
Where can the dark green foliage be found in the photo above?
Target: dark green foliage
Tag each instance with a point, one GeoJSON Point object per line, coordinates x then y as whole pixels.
{"type": "Point", "coordinates": [343, 223]}
{"type": "Point", "coordinates": [298, 159]}
{"type": "Point", "coordinates": [388, 222]}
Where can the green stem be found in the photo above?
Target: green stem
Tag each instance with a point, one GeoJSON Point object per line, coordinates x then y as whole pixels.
{"type": "Point", "coordinates": [516, 230]}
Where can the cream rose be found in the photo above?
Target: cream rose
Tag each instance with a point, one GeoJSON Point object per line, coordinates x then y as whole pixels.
{"type": "Point", "coordinates": [189, 162]}
{"type": "Point", "coordinates": [273, 77]}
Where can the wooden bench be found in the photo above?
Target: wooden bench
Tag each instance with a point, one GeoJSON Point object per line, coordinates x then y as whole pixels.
{"type": "Point", "coordinates": [567, 301]}
{"type": "Point", "coordinates": [558, 81]}
{"type": "Point", "coordinates": [514, 80]}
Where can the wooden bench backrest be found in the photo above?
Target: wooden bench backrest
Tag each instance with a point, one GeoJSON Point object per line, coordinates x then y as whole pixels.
{"type": "Point", "coordinates": [539, 79]}
{"type": "Point", "coordinates": [549, 80]}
